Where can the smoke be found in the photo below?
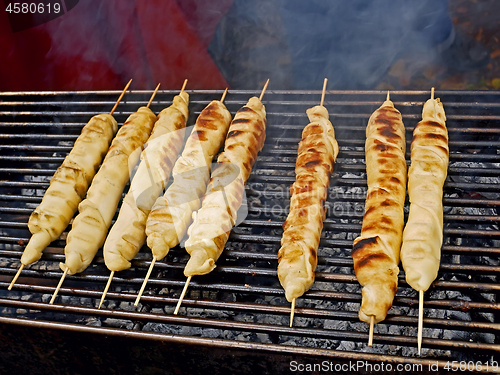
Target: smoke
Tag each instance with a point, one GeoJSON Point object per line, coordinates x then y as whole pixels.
{"type": "Point", "coordinates": [352, 43]}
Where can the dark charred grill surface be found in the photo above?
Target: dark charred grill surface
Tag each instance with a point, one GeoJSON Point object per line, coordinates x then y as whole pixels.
{"type": "Point", "coordinates": [241, 305]}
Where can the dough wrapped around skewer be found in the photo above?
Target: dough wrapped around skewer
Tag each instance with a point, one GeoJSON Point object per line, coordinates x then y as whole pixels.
{"type": "Point", "coordinates": [376, 251]}
{"type": "Point", "coordinates": [128, 233]}
{"type": "Point", "coordinates": [171, 213]}
{"type": "Point", "coordinates": [97, 210]}
{"type": "Point", "coordinates": [212, 224]}
{"type": "Point", "coordinates": [317, 153]}
{"type": "Point", "coordinates": [69, 185]}
{"type": "Point", "coordinates": [423, 234]}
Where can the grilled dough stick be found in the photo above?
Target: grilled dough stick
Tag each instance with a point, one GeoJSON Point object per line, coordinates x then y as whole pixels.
{"type": "Point", "coordinates": [423, 233]}
{"type": "Point", "coordinates": [213, 222]}
{"type": "Point", "coordinates": [376, 251]}
{"type": "Point", "coordinates": [128, 233]}
{"type": "Point", "coordinates": [97, 210]}
{"type": "Point", "coordinates": [171, 213]}
{"type": "Point", "coordinates": [317, 152]}
{"type": "Point", "coordinates": [68, 185]}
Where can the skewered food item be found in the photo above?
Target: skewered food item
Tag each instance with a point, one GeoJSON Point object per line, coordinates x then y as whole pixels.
{"type": "Point", "coordinates": [376, 251]}
{"type": "Point", "coordinates": [171, 214]}
{"type": "Point", "coordinates": [317, 153]}
{"type": "Point", "coordinates": [423, 234]}
{"type": "Point", "coordinates": [97, 210]}
{"type": "Point", "coordinates": [208, 236]}
{"type": "Point", "coordinates": [128, 233]}
{"type": "Point", "coordinates": [69, 185]}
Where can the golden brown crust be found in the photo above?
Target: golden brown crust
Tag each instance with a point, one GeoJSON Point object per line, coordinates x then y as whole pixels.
{"type": "Point", "coordinates": [171, 213]}
{"type": "Point", "coordinates": [376, 252]}
{"type": "Point", "coordinates": [213, 222]}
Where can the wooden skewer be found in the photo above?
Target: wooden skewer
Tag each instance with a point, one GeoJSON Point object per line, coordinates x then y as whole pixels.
{"type": "Point", "coordinates": [264, 90]}
{"type": "Point", "coordinates": [106, 289]}
{"type": "Point", "coordinates": [15, 277]}
{"type": "Point", "coordinates": [223, 95]}
{"type": "Point", "coordinates": [370, 335]}
{"type": "Point", "coordinates": [120, 97]}
{"type": "Point", "coordinates": [323, 93]}
{"type": "Point", "coordinates": [432, 93]}
{"type": "Point", "coordinates": [154, 94]}
{"type": "Point", "coordinates": [420, 319]}
{"type": "Point", "coordinates": [182, 295]}
{"type": "Point", "coordinates": [145, 282]}
{"type": "Point", "coordinates": [388, 97]}
{"type": "Point", "coordinates": [184, 85]}
{"type": "Point", "coordinates": [292, 312]}
{"type": "Point", "coordinates": [58, 286]}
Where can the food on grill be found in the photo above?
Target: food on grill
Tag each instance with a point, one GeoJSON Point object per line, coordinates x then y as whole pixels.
{"type": "Point", "coordinates": [171, 213]}
{"type": "Point", "coordinates": [128, 233]}
{"type": "Point", "coordinates": [317, 153]}
{"type": "Point", "coordinates": [376, 251]}
{"type": "Point", "coordinates": [69, 185]}
{"type": "Point", "coordinates": [97, 210]}
{"type": "Point", "coordinates": [213, 222]}
{"type": "Point", "coordinates": [423, 233]}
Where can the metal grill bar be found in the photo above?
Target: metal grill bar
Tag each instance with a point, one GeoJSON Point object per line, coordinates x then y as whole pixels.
{"type": "Point", "coordinates": [242, 297]}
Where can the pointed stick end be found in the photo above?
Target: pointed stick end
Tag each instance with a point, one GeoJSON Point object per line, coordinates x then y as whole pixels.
{"type": "Point", "coordinates": [292, 312]}
{"type": "Point", "coordinates": [105, 292]}
{"type": "Point", "coordinates": [184, 85]}
{"type": "Point", "coordinates": [370, 335]}
{"type": "Point", "coordinates": [264, 90]}
{"type": "Point", "coordinates": [323, 92]}
{"type": "Point", "coordinates": [432, 93]}
{"type": "Point", "coordinates": [188, 280]}
{"type": "Point", "coordinates": [59, 286]}
{"type": "Point", "coordinates": [388, 95]}
{"type": "Point", "coordinates": [420, 319]}
{"type": "Point", "coordinates": [223, 95]}
{"type": "Point", "coordinates": [15, 277]}
{"type": "Point", "coordinates": [153, 95]}
{"type": "Point", "coordinates": [143, 286]}
{"type": "Point", "coordinates": [120, 97]}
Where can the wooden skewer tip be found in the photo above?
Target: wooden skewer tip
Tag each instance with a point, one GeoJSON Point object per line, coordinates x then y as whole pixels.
{"type": "Point", "coordinates": [420, 319]}
{"type": "Point", "coordinates": [182, 295]}
{"type": "Point", "coordinates": [432, 93]}
{"type": "Point", "coordinates": [120, 97]}
{"type": "Point", "coordinates": [388, 95]}
{"type": "Point", "coordinates": [264, 90]}
{"type": "Point", "coordinates": [59, 286]}
{"type": "Point", "coordinates": [292, 312]}
{"type": "Point", "coordinates": [323, 92]}
{"type": "Point", "coordinates": [223, 95]}
{"type": "Point", "coordinates": [16, 277]}
{"type": "Point", "coordinates": [370, 335]}
{"type": "Point", "coordinates": [184, 85]}
{"type": "Point", "coordinates": [153, 95]}
{"type": "Point", "coordinates": [106, 289]}
{"type": "Point", "coordinates": [139, 295]}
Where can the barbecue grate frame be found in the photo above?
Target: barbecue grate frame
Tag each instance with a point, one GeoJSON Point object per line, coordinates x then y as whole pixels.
{"type": "Point", "coordinates": [241, 304]}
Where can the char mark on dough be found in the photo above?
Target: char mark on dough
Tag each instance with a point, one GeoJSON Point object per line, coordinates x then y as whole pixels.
{"type": "Point", "coordinates": [234, 133]}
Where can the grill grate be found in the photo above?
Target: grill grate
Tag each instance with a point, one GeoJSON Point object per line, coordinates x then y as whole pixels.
{"type": "Point", "coordinates": [241, 303]}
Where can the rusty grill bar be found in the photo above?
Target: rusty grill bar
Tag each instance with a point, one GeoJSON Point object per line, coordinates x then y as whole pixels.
{"type": "Point", "coordinates": [241, 304]}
